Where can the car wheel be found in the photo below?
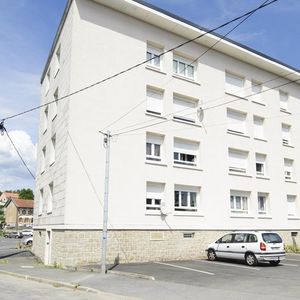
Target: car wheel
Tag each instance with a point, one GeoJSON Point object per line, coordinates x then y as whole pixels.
{"type": "Point", "coordinates": [29, 243]}
{"type": "Point", "coordinates": [211, 255]}
{"type": "Point", "coordinates": [275, 262]}
{"type": "Point", "coordinates": [250, 259]}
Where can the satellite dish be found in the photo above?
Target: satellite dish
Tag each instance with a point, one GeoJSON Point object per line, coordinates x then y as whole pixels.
{"type": "Point", "coordinates": [200, 114]}
{"type": "Point", "coordinates": [164, 209]}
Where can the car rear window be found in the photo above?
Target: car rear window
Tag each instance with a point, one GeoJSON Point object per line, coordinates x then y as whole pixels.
{"type": "Point", "coordinates": [271, 238]}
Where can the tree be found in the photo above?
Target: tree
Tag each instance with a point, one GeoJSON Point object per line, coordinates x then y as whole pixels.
{"type": "Point", "coordinates": [25, 194]}
{"type": "Point", "coordinates": [2, 217]}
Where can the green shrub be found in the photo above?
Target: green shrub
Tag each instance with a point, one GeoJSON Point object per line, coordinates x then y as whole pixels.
{"type": "Point", "coordinates": [292, 248]}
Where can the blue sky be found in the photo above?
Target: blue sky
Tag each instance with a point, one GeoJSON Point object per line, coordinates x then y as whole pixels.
{"type": "Point", "coordinates": [27, 29]}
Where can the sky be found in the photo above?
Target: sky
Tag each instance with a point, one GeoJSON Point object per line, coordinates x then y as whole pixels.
{"type": "Point", "coordinates": [27, 29]}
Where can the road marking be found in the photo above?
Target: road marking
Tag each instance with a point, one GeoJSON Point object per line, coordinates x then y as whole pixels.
{"type": "Point", "coordinates": [289, 265]}
{"type": "Point", "coordinates": [27, 267]}
{"type": "Point", "coordinates": [184, 268]}
{"type": "Point", "coordinates": [228, 264]}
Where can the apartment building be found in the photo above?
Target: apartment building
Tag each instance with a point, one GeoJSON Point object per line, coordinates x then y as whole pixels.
{"type": "Point", "coordinates": [201, 146]}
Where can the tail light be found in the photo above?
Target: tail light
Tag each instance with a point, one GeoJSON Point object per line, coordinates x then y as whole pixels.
{"type": "Point", "coordinates": [263, 246]}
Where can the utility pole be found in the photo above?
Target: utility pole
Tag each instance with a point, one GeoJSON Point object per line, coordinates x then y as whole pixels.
{"type": "Point", "coordinates": [106, 144]}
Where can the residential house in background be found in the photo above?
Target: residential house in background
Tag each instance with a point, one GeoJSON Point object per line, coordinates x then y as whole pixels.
{"type": "Point", "coordinates": [18, 212]}
{"type": "Point", "coordinates": [204, 146]}
{"type": "Point", "coordinates": [5, 196]}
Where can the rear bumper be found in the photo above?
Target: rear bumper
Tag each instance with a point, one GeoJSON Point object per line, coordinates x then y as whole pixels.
{"type": "Point", "coordinates": [270, 257]}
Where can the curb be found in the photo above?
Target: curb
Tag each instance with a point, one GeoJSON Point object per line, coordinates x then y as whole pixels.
{"type": "Point", "coordinates": [65, 284]}
{"type": "Point", "coordinates": [132, 275]}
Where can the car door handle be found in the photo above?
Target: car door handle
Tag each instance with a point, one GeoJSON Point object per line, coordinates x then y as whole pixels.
{"type": "Point", "coordinates": [227, 246]}
{"type": "Point", "coordinates": [243, 246]}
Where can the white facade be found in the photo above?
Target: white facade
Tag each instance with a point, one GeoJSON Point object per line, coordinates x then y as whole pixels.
{"type": "Point", "coordinates": [227, 173]}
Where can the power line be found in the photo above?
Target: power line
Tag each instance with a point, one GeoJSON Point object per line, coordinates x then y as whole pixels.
{"type": "Point", "coordinates": [138, 64]}
{"type": "Point", "coordinates": [190, 64]}
{"type": "Point", "coordinates": [3, 129]}
{"type": "Point", "coordinates": [204, 109]}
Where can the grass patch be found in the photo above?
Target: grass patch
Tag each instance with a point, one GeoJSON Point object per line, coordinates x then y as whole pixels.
{"type": "Point", "coordinates": [292, 249]}
{"type": "Point", "coordinates": [3, 261]}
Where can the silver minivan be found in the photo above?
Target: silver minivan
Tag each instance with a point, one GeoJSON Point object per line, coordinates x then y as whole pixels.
{"type": "Point", "coordinates": [250, 246]}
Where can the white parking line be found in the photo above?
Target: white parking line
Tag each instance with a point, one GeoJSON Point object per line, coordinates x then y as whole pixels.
{"type": "Point", "coordinates": [289, 265]}
{"type": "Point", "coordinates": [228, 264]}
{"type": "Point", "coordinates": [184, 268]}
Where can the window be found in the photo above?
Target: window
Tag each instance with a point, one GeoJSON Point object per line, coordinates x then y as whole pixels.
{"type": "Point", "coordinates": [153, 54]}
{"type": "Point", "coordinates": [239, 202]}
{"type": "Point", "coordinates": [50, 198]}
{"type": "Point", "coordinates": [291, 206]}
{"type": "Point", "coordinates": [288, 169]}
{"type": "Point", "coordinates": [262, 203]}
{"type": "Point", "coordinates": [258, 126]}
{"type": "Point", "coordinates": [184, 109]}
{"type": "Point", "coordinates": [185, 198]}
{"type": "Point", "coordinates": [238, 161]}
{"type": "Point", "coordinates": [154, 146]}
{"type": "Point", "coordinates": [240, 238]}
{"type": "Point", "coordinates": [46, 116]}
{"type": "Point", "coordinates": [55, 104]}
{"type": "Point", "coordinates": [226, 239]}
{"type": "Point", "coordinates": [41, 202]}
{"type": "Point", "coordinates": [284, 97]}
{"type": "Point", "coordinates": [155, 195]}
{"type": "Point", "coordinates": [24, 212]}
{"type": "Point", "coordinates": [43, 160]}
{"type": "Point", "coordinates": [260, 164]}
{"type": "Point", "coordinates": [234, 84]}
{"type": "Point", "coordinates": [183, 67]}
{"type": "Point", "coordinates": [256, 89]}
{"type": "Point", "coordinates": [185, 152]}
{"type": "Point", "coordinates": [47, 82]}
{"type": "Point", "coordinates": [252, 238]}
{"type": "Point", "coordinates": [154, 101]}
{"type": "Point", "coordinates": [57, 60]}
{"type": "Point", "coordinates": [52, 149]}
{"type": "Point", "coordinates": [236, 121]}
{"type": "Point", "coordinates": [286, 134]}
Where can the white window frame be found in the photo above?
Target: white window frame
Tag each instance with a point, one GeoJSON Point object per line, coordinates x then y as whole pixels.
{"type": "Point", "coordinates": [288, 169]}
{"type": "Point", "coordinates": [184, 149]}
{"type": "Point", "coordinates": [154, 101]}
{"type": "Point", "coordinates": [243, 198]}
{"type": "Point", "coordinates": [55, 104]}
{"type": "Point", "coordinates": [57, 60]}
{"type": "Point", "coordinates": [264, 197]}
{"type": "Point", "coordinates": [258, 127]}
{"type": "Point", "coordinates": [235, 168]}
{"type": "Point", "coordinates": [261, 160]}
{"type": "Point", "coordinates": [153, 54]}
{"type": "Point", "coordinates": [231, 86]}
{"type": "Point", "coordinates": [50, 197]}
{"type": "Point", "coordinates": [47, 81]}
{"type": "Point", "coordinates": [256, 90]}
{"type": "Point", "coordinates": [41, 202]}
{"type": "Point", "coordinates": [187, 64]}
{"type": "Point", "coordinates": [237, 121]}
{"type": "Point", "coordinates": [45, 118]}
{"type": "Point", "coordinates": [43, 159]}
{"type": "Point", "coordinates": [184, 113]}
{"type": "Point", "coordinates": [189, 191]}
{"type": "Point", "coordinates": [286, 134]}
{"type": "Point", "coordinates": [284, 101]}
{"type": "Point", "coordinates": [52, 154]}
{"type": "Point", "coordinates": [291, 199]}
{"type": "Point", "coordinates": [154, 140]}
{"type": "Point", "coordinates": [155, 194]}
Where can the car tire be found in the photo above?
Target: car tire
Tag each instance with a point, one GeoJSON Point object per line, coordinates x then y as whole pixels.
{"type": "Point", "coordinates": [211, 255]}
{"type": "Point", "coordinates": [250, 259]}
{"type": "Point", "coordinates": [29, 243]}
{"type": "Point", "coordinates": [275, 262]}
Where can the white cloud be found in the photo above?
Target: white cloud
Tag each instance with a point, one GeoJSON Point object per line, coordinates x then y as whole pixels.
{"type": "Point", "coordinates": [13, 174]}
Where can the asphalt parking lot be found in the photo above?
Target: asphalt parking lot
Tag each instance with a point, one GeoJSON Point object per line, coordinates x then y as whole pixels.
{"type": "Point", "coordinates": [274, 282]}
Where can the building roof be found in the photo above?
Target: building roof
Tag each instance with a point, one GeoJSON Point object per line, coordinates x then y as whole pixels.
{"type": "Point", "coordinates": [20, 203]}
{"type": "Point", "coordinates": [10, 195]}
{"type": "Point", "coordinates": [156, 16]}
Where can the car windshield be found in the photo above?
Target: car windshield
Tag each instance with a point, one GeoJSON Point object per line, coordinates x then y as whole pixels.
{"type": "Point", "coordinates": [271, 238]}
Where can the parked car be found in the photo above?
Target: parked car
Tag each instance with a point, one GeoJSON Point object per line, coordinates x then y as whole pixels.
{"type": "Point", "coordinates": [27, 232]}
{"type": "Point", "coordinates": [13, 234]}
{"type": "Point", "coordinates": [251, 246]}
{"type": "Point", "coordinates": [27, 241]}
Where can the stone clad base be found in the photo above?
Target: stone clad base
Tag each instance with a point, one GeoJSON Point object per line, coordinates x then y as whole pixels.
{"type": "Point", "coordinates": [80, 247]}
